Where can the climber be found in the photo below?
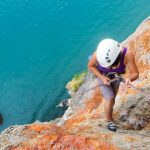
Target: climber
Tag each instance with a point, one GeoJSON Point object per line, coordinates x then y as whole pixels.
{"type": "Point", "coordinates": [109, 57]}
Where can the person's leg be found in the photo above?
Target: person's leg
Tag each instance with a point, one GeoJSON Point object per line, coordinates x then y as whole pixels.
{"type": "Point", "coordinates": [115, 86]}
{"type": "Point", "coordinates": [108, 95]}
{"type": "Point", "coordinates": [110, 101]}
{"type": "Point", "coordinates": [108, 107]}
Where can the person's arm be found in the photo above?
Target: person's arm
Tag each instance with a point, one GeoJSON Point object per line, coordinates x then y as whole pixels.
{"type": "Point", "coordinates": [92, 67]}
{"type": "Point", "coordinates": [133, 70]}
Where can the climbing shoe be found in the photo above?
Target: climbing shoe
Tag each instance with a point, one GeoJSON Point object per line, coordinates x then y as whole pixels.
{"type": "Point", "coordinates": [111, 126]}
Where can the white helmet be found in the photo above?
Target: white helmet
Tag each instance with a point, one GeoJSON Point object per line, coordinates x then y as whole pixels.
{"type": "Point", "coordinates": [107, 52]}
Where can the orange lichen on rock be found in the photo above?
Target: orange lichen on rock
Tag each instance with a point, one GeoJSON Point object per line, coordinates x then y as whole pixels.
{"type": "Point", "coordinates": [93, 103]}
{"type": "Point", "coordinates": [71, 142]}
{"type": "Point", "coordinates": [57, 141]}
{"type": "Point", "coordinates": [83, 128]}
{"type": "Point", "coordinates": [82, 114]}
{"type": "Point", "coordinates": [76, 119]}
{"type": "Point", "coordinates": [41, 127]}
{"type": "Point", "coordinates": [95, 115]}
{"type": "Point", "coordinates": [130, 139]}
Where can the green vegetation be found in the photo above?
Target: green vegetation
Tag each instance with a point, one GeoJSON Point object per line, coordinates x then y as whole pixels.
{"type": "Point", "coordinates": [76, 82]}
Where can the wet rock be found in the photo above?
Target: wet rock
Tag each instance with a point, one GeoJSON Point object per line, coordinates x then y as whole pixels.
{"type": "Point", "coordinates": [1, 119]}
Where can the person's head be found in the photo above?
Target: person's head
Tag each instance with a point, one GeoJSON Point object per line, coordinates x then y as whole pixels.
{"type": "Point", "coordinates": [108, 52]}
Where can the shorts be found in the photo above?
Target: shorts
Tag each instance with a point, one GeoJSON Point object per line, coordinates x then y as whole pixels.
{"type": "Point", "coordinates": [109, 91]}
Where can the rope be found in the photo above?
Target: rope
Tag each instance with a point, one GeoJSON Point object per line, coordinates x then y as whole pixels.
{"type": "Point", "coordinates": [147, 95]}
{"type": "Point", "coordinates": [115, 79]}
{"type": "Point", "coordinates": [120, 79]}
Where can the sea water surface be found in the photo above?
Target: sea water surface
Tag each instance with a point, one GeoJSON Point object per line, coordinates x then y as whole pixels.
{"type": "Point", "coordinates": [43, 43]}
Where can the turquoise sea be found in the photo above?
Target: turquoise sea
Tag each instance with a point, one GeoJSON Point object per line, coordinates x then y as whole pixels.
{"type": "Point", "coordinates": [43, 43]}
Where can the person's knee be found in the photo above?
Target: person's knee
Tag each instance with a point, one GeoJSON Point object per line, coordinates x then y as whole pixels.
{"type": "Point", "coordinates": [110, 100]}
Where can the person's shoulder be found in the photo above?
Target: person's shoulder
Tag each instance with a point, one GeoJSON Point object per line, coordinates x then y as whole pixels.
{"type": "Point", "coordinates": [94, 54]}
{"type": "Point", "coordinates": [129, 55]}
{"type": "Point", "coordinates": [93, 58]}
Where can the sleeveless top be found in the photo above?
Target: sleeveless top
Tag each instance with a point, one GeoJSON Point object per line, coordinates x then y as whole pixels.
{"type": "Point", "coordinates": [119, 70]}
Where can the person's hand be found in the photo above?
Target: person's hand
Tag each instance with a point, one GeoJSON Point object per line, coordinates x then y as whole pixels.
{"type": "Point", "coordinates": [125, 84]}
{"type": "Point", "coordinates": [105, 80]}
{"type": "Point", "coordinates": [122, 87]}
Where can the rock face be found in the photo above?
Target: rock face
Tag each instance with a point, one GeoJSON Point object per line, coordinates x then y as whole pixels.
{"type": "Point", "coordinates": [83, 126]}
